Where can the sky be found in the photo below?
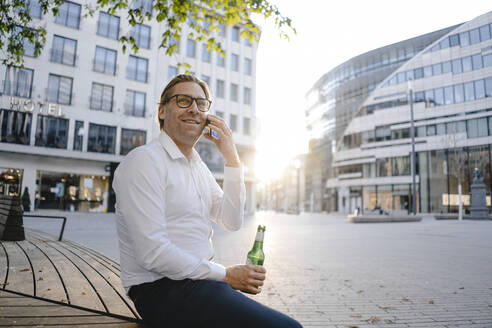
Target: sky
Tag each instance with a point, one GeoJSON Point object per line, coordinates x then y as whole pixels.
{"type": "Point", "coordinates": [328, 34]}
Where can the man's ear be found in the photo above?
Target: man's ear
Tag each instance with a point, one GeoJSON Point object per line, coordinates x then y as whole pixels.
{"type": "Point", "coordinates": [162, 112]}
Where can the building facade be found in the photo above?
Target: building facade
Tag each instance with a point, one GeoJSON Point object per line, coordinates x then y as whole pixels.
{"type": "Point", "coordinates": [451, 84]}
{"type": "Point", "coordinates": [71, 115]}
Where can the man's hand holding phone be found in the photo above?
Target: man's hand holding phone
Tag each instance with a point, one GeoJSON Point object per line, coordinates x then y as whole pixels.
{"type": "Point", "coordinates": [219, 133]}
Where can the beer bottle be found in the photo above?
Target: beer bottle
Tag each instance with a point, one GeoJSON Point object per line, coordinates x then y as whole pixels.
{"type": "Point", "coordinates": [256, 255]}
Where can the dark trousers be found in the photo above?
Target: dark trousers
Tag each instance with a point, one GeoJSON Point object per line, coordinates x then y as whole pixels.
{"type": "Point", "coordinates": [202, 303]}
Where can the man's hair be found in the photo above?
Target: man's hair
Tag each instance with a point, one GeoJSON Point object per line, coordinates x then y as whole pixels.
{"type": "Point", "coordinates": [166, 93]}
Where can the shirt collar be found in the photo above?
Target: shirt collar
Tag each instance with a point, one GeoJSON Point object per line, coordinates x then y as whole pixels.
{"type": "Point", "coordinates": [170, 146]}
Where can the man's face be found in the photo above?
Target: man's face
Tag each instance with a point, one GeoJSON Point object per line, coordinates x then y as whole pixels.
{"type": "Point", "coordinates": [184, 125]}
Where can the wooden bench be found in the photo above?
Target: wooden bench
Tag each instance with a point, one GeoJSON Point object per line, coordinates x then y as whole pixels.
{"type": "Point", "coordinates": [44, 281]}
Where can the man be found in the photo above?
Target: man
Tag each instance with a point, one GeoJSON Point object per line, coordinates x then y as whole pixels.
{"type": "Point", "coordinates": [166, 199]}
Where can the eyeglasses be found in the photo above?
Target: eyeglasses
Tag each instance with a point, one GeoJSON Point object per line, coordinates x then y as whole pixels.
{"type": "Point", "coordinates": [185, 101]}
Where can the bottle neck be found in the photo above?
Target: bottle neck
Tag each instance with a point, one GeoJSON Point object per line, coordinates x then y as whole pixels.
{"type": "Point", "coordinates": [258, 240]}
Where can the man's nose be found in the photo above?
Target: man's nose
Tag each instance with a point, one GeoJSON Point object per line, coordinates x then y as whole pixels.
{"type": "Point", "coordinates": [193, 107]}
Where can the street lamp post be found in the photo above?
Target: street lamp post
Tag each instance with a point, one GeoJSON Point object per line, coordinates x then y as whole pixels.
{"type": "Point", "coordinates": [413, 167]}
{"type": "Point", "coordinates": [297, 164]}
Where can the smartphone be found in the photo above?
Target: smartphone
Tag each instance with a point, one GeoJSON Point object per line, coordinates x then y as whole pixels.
{"type": "Point", "coordinates": [211, 132]}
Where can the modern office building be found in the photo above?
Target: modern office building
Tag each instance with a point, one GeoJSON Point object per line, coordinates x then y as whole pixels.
{"type": "Point", "coordinates": [451, 83]}
{"type": "Point", "coordinates": [335, 98]}
{"type": "Point", "coordinates": [71, 115]}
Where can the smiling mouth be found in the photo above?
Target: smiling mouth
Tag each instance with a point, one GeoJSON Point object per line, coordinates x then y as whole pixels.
{"type": "Point", "coordinates": [191, 121]}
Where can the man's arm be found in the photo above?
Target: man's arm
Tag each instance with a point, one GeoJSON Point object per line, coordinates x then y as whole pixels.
{"type": "Point", "coordinates": [140, 192]}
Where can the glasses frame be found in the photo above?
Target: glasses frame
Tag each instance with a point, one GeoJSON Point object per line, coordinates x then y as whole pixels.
{"type": "Point", "coordinates": [192, 99]}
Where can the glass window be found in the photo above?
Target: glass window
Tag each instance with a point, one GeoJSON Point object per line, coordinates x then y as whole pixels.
{"type": "Point", "coordinates": [454, 40]}
{"type": "Point", "coordinates": [477, 61]}
{"type": "Point", "coordinates": [461, 126]}
{"type": "Point", "coordinates": [429, 97]}
{"type": "Point", "coordinates": [439, 96]}
{"type": "Point", "coordinates": [419, 96]}
{"type": "Point", "coordinates": [206, 56]}
{"type": "Point", "coordinates": [18, 82]}
{"type": "Point", "coordinates": [247, 42]}
{"type": "Point", "coordinates": [488, 87]}
{"type": "Point", "coordinates": [448, 95]}
{"type": "Point", "coordinates": [441, 129]}
{"type": "Point", "coordinates": [63, 50]}
{"type": "Point", "coordinates": [233, 123]}
{"type": "Point", "coordinates": [400, 77]}
{"type": "Point", "coordinates": [222, 29]}
{"type": "Point", "coordinates": [247, 96]}
{"type": "Point", "coordinates": [418, 73]}
{"type": "Point", "coordinates": [446, 67]}
{"type": "Point", "coordinates": [247, 126]}
{"type": "Point", "coordinates": [234, 92]}
{"type": "Point", "coordinates": [235, 34]}
{"type": "Point", "coordinates": [421, 131]}
{"type": "Point", "coordinates": [131, 139]}
{"type": "Point", "coordinates": [474, 36]}
{"type": "Point", "coordinates": [436, 47]}
{"type": "Point", "coordinates": [444, 43]}
{"type": "Point", "coordinates": [465, 39]}
{"type": "Point", "coordinates": [469, 91]}
{"type": "Point", "coordinates": [409, 76]}
{"type": "Point", "coordinates": [145, 6]}
{"type": "Point", "coordinates": [35, 9]}
{"type": "Point", "coordinates": [78, 135]}
{"type": "Point", "coordinates": [247, 66]}
{"type": "Point", "coordinates": [487, 60]}
{"type": "Point", "coordinates": [437, 69]}
{"type": "Point", "coordinates": [51, 132]}
{"type": "Point", "coordinates": [383, 133]}
{"type": "Point", "coordinates": [190, 48]}
{"type": "Point", "coordinates": [477, 128]}
{"type": "Point", "coordinates": [400, 165]}
{"type": "Point", "coordinates": [101, 97]}
{"type": "Point", "coordinates": [490, 124]}
{"type": "Point", "coordinates": [479, 89]}
{"type": "Point", "coordinates": [101, 138]}
{"type": "Point", "coordinates": [69, 14]}
{"type": "Point", "coordinates": [205, 78]}
{"type": "Point", "coordinates": [219, 114]}
{"type": "Point", "coordinates": [459, 93]}
{"type": "Point", "coordinates": [220, 60]}
{"type": "Point", "coordinates": [141, 34]}
{"type": "Point", "coordinates": [427, 71]}
{"type": "Point", "coordinates": [172, 71]}
{"type": "Point", "coordinates": [451, 127]}
{"type": "Point", "coordinates": [383, 167]}
{"type": "Point", "coordinates": [60, 89]}
{"type": "Point", "coordinates": [15, 127]}
{"type": "Point", "coordinates": [108, 26]}
{"type": "Point", "coordinates": [220, 89]}
{"type": "Point", "coordinates": [105, 61]}
{"type": "Point", "coordinates": [135, 103]}
{"type": "Point", "coordinates": [431, 130]}
{"type": "Point", "coordinates": [137, 68]}
{"type": "Point", "coordinates": [467, 63]}
{"type": "Point", "coordinates": [457, 66]}
{"type": "Point", "coordinates": [235, 62]}
{"type": "Point", "coordinates": [484, 33]}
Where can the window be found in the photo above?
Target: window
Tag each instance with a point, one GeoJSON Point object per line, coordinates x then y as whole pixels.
{"type": "Point", "coordinates": [60, 89]}
{"type": "Point", "coordinates": [448, 95]}
{"type": "Point", "coordinates": [220, 89]}
{"type": "Point", "coordinates": [488, 87]}
{"type": "Point", "coordinates": [431, 130]}
{"type": "Point", "coordinates": [441, 129]}
{"type": "Point", "coordinates": [131, 139]}
{"type": "Point", "coordinates": [467, 64]}
{"type": "Point", "coordinates": [477, 127]}
{"type": "Point", "coordinates": [446, 67]}
{"type": "Point", "coordinates": [206, 57]}
{"type": "Point", "coordinates": [101, 138]}
{"type": "Point", "coordinates": [484, 33]}
{"type": "Point", "coordinates": [18, 82]}
{"type": "Point", "coordinates": [29, 47]}
{"type": "Point", "coordinates": [427, 71]}
{"type": "Point", "coordinates": [235, 62]}
{"type": "Point", "coordinates": [145, 6]}
{"type": "Point", "coordinates": [247, 42]}
{"type": "Point", "coordinates": [69, 15]}
{"type": "Point", "coordinates": [421, 131]}
{"type": "Point", "coordinates": [172, 71]}
{"type": "Point", "coordinates": [437, 69]}
{"type": "Point", "coordinates": [105, 61]}
{"type": "Point", "coordinates": [220, 60]}
{"type": "Point", "coordinates": [383, 133]}
{"type": "Point", "coordinates": [35, 9]}
{"type": "Point", "coordinates": [63, 50]}
{"type": "Point", "coordinates": [474, 36]}
{"type": "Point", "coordinates": [479, 89]}
{"type": "Point", "coordinates": [222, 30]}
{"type": "Point", "coordinates": [409, 76]}
{"type": "Point", "coordinates": [477, 61]}
{"type": "Point", "coordinates": [469, 91]}
{"type": "Point", "coordinates": [419, 96]}
{"type": "Point", "coordinates": [247, 66]}
{"type": "Point", "coordinates": [234, 93]}
{"type": "Point", "coordinates": [465, 39]}
{"type": "Point", "coordinates": [108, 26]}
{"type": "Point", "coordinates": [15, 127]}
{"type": "Point", "coordinates": [205, 78]}
{"type": "Point", "coordinates": [141, 34]}
{"type": "Point", "coordinates": [418, 73]}
{"type": "Point", "coordinates": [444, 43]}
{"type": "Point", "coordinates": [439, 96]}
{"type": "Point", "coordinates": [137, 68]}
{"type": "Point", "coordinates": [457, 66]}
{"type": "Point", "coordinates": [400, 165]}
{"type": "Point", "coordinates": [52, 132]}
{"type": "Point", "coordinates": [101, 97]}
{"type": "Point", "coordinates": [135, 103]}
{"type": "Point", "coordinates": [487, 60]}
{"type": "Point", "coordinates": [78, 135]}
{"type": "Point", "coordinates": [233, 123]}
{"type": "Point", "coordinates": [190, 48]}
{"type": "Point", "coordinates": [247, 126]}
{"type": "Point", "coordinates": [235, 34]}
{"type": "Point", "coordinates": [247, 96]}
{"type": "Point", "coordinates": [429, 97]}
{"type": "Point", "coordinates": [459, 93]}
{"type": "Point", "coordinates": [454, 40]}
{"type": "Point", "coordinates": [383, 167]}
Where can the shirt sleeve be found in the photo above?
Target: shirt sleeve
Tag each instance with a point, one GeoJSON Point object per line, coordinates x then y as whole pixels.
{"type": "Point", "coordinates": [228, 205]}
{"type": "Point", "coordinates": [139, 185]}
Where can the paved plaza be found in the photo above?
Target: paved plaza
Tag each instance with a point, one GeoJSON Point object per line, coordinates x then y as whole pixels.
{"type": "Point", "coordinates": [326, 272]}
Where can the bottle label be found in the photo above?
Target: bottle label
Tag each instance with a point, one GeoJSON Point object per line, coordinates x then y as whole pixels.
{"type": "Point", "coordinates": [259, 236]}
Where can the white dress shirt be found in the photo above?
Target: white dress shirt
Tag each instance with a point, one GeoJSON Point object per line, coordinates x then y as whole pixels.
{"type": "Point", "coordinates": [164, 207]}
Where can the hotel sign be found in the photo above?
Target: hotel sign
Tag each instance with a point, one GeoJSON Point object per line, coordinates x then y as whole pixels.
{"type": "Point", "coordinates": [29, 106]}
